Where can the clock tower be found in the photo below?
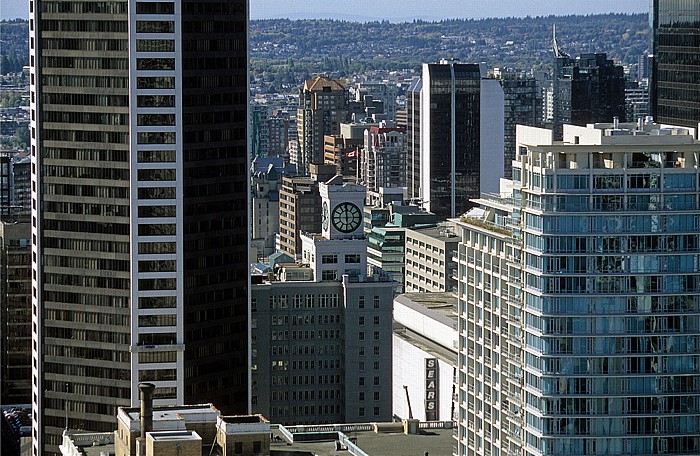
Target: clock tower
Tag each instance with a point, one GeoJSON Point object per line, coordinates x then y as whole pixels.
{"type": "Point", "coordinates": [341, 248]}
{"type": "Point", "coordinates": [342, 209]}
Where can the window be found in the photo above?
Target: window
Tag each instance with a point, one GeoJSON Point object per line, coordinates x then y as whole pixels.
{"type": "Point", "coordinates": [376, 381]}
{"type": "Point", "coordinates": [362, 396]}
{"type": "Point", "coordinates": [361, 411]}
{"type": "Point", "coordinates": [329, 259]}
{"type": "Point", "coordinates": [376, 350]}
{"type": "Point", "coordinates": [361, 335]}
{"type": "Point", "coordinates": [376, 411]}
{"type": "Point", "coordinates": [352, 258]}
{"type": "Point", "coordinates": [376, 302]}
{"type": "Point", "coordinates": [376, 395]}
{"type": "Point", "coordinates": [329, 275]}
{"type": "Point", "coordinates": [361, 381]}
{"type": "Point", "coordinates": [376, 335]}
{"type": "Point", "coordinates": [361, 303]}
{"type": "Point", "coordinates": [376, 365]}
{"type": "Point", "coordinates": [361, 321]}
{"type": "Point", "coordinates": [376, 319]}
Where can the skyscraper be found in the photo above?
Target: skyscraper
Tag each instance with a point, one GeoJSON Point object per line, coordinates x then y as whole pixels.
{"type": "Point", "coordinates": [588, 89]}
{"type": "Point", "coordinates": [675, 94]}
{"type": "Point", "coordinates": [323, 105]}
{"type": "Point", "coordinates": [461, 144]}
{"type": "Point", "coordinates": [413, 137]}
{"type": "Point", "coordinates": [580, 298]}
{"type": "Point", "coordinates": [139, 208]}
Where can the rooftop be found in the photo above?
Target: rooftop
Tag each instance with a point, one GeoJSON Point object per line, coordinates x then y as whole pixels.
{"type": "Point", "coordinates": [321, 440]}
{"type": "Point", "coordinates": [441, 303]}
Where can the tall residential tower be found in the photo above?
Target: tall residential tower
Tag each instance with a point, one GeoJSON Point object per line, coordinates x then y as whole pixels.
{"type": "Point", "coordinates": [580, 298]}
{"type": "Point", "coordinates": [139, 208]}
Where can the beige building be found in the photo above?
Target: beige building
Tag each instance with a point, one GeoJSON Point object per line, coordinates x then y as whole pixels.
{"type": "Point", "coordinates": [323, 105]}
{"type": "Point", "coordinates": [300, 208]}
{"type": "Point", "coordinates": [429, 264]}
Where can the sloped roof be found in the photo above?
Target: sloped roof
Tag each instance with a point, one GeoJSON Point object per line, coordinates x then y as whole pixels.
{"type": "Point", "coordinates": [320, 82]}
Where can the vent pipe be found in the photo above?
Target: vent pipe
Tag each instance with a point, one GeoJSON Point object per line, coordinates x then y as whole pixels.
{"type": "Point", "coordinates": [146, 390]}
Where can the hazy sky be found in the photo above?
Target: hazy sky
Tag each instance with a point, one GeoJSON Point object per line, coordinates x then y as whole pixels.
{"type": "Point", "coordinates": [399, 10]}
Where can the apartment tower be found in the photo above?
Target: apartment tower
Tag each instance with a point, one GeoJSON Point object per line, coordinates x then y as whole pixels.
{"type": "Point", "coordinates": [580, 298]}
{"type": "Point", "coordinates": [675, 94]}
{"type": "Point", "coordinates": [323, 105]}
{"type": "Point", "coordinates": [139, 208]}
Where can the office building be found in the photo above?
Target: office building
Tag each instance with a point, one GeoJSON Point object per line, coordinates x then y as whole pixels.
{"type": "Point", "coordinates": [378, 98]}
{"type": "Point", "coordinates": [461, 144]}
{"type": "Point", "coordinates": [322, 331]}
{"type": "Point", "coordinates": [413, 138]}
{"type": "Point", "coordinates": [523, 106]}
{"type": "Point", "coordinates": [300, 208]}
{"type": "Point", "coordinates": [637, 101]}
{"type": "Point", "coordinates": [266, 176]}
{"type": "Point", "coordinates": [278, 127]}
{"type": "Point", "coordinates": [140, 205]}
{"type": "Point", "coordinates": [259, 131]}
{"type": "Point", "coordinates": [425, 356]}
{"type": "Point", "coordinates": [379, 206]}
{"type": "Point", "coordinates": [588, 89]}
{"type": "Point", "coordinates": [676, 62]}
{"type": "Point", "coordinates": [578, 310]}
{"type": "Point", "coordinates": [383, 158]}
{"type": "Point", "coordinates": [342, 152]}
{"type": "Point", "coordinates": [430, 267]}
{"type": "Point", "coordinates": [386, 251]}
{"type": "Point", "coordinates": [15, 313]}
{"type": "Point", "coordinates": [323, 105]}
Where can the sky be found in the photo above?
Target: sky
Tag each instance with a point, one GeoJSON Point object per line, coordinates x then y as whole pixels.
{"type": "Point", "coordinates": [407, 10]}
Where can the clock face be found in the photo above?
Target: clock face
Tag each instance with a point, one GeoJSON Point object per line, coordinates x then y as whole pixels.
{"type": "Point", "coordinates": [325, 216]}
{"type": "Point", "coordinates": [346, 217]}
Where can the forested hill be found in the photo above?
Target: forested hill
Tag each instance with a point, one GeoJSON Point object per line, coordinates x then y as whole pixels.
{"type": "Point", "coordinates": [513, 42]}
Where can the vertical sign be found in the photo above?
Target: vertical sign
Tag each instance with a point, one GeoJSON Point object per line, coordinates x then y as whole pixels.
{"type": "Point", "coordinates": [431, 389]}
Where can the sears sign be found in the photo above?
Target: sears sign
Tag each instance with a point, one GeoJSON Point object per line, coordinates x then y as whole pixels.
{"type": "Point", "coordinates": [432, 389]}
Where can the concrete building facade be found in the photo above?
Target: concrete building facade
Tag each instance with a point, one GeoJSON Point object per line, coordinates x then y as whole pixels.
{"type": "Point", "coordinates": [139, 205]}
{"type": "Point", "coordinates": [430, 266]}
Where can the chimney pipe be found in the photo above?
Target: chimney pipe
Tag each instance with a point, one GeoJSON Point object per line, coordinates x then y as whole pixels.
{"type": "Point", "coordinates": [146, 407]}
{"type": "Point", "coordinates": [616, 123]}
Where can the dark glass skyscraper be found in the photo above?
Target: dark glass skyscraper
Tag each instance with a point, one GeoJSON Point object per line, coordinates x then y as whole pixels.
{"type": "Point", "coordinates": [675, 96]}
{"type": "Point", "coordinates": [139, 208]}
{"type": "Point", "coordinates": [588, 89]}
{"type": "Point", "coordinates": [461, 136]}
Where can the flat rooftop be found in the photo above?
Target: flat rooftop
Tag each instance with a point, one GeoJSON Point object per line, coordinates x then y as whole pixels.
{"type": "Point", "coordinates": [179, 412]}
{"type": "Point", "coordinates": [437, 442]}
{"type": "Point", "coordinates": [442, 303]}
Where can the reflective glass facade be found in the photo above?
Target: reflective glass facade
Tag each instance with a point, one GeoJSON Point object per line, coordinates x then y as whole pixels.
{"type": "Point", "coordinates": [450, 136]}
{"type": "Point", "coordinates": [595, 350]}
{"type": "Point", "coordinates": [676, 69]}
{"type": "Point", "coordinates": [588, 89]}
